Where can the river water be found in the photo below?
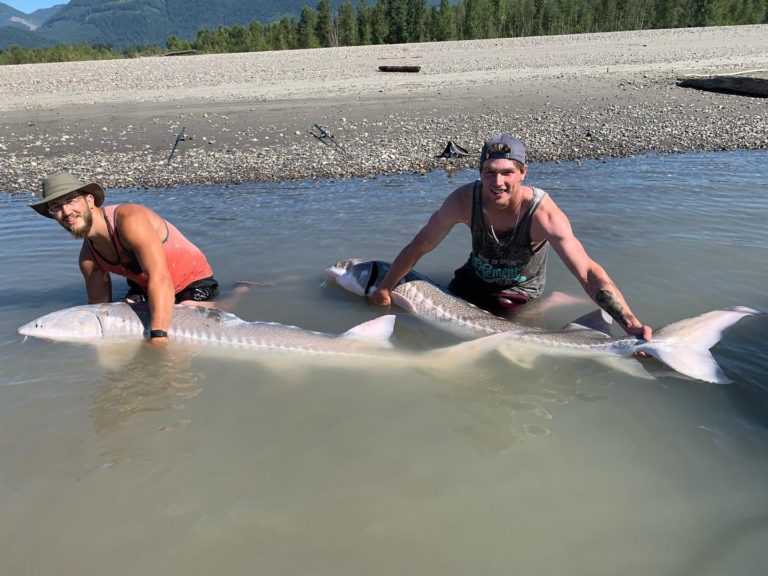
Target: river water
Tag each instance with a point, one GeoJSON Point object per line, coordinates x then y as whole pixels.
{"type": "Point", "coordinates": [170, 463]}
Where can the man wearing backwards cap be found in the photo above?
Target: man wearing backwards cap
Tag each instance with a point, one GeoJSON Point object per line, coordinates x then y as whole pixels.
{"type": "Point", "coordinates": [161, 265]}
{"type": "Point", "coordinates": [512, 228]}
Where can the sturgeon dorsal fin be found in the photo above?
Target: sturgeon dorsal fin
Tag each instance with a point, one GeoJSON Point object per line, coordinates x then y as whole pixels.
{"type": "Point", "coordinates": [597, 320]}
{"type": "Point", "coordinates": [376, 330]}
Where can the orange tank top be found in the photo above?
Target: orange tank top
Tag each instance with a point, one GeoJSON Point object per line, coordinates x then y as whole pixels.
{"type": "Point", "coordinates": [186, 263]}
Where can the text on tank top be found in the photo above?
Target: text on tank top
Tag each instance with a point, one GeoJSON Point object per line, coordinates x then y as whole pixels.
{"type": "Point", "coordinates": [507, 260]}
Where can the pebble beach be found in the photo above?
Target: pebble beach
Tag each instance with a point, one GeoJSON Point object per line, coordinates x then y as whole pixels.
{"type": "Point", "coordinates": [251, 117]}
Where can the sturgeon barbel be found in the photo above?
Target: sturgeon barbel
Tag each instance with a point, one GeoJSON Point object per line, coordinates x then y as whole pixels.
{"type": "Point", "coordinates": [122, 322]}
{"type": "Point", "coordinates": [683, 346]}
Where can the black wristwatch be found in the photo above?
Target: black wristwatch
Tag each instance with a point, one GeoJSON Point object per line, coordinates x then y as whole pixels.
{"type": "Point", "coordinates": [158, 334]}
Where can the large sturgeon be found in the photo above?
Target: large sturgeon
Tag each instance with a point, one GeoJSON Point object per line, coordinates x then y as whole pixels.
{"type": "Point", "coordinates": [121, 322]}
{"type": "Point", "coordinates": [210, 326]}
{"type": "Point", "coordinates": [683, 346]}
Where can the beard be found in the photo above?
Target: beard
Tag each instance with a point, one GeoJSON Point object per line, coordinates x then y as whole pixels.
{"type": "Point", "coordinates": [83, 230]}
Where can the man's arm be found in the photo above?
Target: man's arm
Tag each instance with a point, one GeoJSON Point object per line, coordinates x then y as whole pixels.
{"type": "Point", "coordinates": [98, 284]}
{"type": "Point", "coordinates": [139, 235]}
{"type": "Point", "coordinates": [553, 225]}
{"type": "Point", "coordinates": [456, 208]}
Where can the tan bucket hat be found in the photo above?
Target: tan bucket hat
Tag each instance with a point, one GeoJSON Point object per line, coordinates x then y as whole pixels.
{"type": "Point", "coordinates": [62, 184]}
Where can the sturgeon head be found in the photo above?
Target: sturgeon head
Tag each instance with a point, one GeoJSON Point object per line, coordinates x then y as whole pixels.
{"type": "Point", "coordinates": [362, 277]}
{"type": "Point", "coordinates": [91, 322]}
{"type": "Point", "coordinates": [80, 323]}
{"type": "Point", "coordinates": [356, 275]}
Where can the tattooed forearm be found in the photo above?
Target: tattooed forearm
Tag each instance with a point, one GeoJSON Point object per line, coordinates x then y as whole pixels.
{"type": "Point", "coordinates": [607, 301]}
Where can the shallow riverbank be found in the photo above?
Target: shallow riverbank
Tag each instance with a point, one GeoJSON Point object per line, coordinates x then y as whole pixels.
{"type": "Point", "coordinates": [248, 116]}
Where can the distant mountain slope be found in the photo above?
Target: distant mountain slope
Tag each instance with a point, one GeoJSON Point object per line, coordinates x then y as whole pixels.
{"type": "Point", "coordinates": [43, 14]}
{"type": "Point", "coordinates": [139, 22]}
{"type": "Point", "coordinates": [16, 26]}
{"type": "Point", "coordinates": [9, 16]}
{"type": "Point", "coordinates": [21, 37]}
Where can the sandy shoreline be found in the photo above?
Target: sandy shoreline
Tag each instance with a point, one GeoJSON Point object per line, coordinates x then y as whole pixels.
{"type": "Point", "coordinates": [249, 115]}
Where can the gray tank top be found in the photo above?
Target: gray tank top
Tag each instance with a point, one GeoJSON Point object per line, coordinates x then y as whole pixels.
{"type": "Point", "coordinates": [507, 261]}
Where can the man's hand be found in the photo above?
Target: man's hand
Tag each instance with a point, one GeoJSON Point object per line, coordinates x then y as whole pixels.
{"type": "Point", "coordinates": [643, 331]}
{"type": "Point", "coordinates": [381, 297]}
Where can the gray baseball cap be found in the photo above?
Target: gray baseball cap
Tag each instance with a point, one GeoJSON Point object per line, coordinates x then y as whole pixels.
{"type": "Point", "coordinates": [503, 146]}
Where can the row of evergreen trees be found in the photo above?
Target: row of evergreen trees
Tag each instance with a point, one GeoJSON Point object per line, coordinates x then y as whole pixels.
{"type": "Point", "coordinates": [397, 21]}
{"type": "Point", "coordinates": [72, 53]}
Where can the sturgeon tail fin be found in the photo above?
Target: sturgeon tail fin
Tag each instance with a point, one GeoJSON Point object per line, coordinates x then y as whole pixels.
{"type": "Point", "coordinates": [684, 345]}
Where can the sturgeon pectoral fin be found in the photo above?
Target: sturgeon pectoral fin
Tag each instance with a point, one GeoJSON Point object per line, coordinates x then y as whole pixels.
{"type": "Point", "coordinates": [402, 302]}
{"type": "Point", "coordinates": [520, 355]}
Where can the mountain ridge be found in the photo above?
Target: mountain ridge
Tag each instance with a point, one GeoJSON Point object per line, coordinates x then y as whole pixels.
{"type": "Point", "coordinates": [11, 17]}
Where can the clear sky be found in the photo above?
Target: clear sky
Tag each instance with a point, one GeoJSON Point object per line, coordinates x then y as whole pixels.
{"type": "Point", "coordinates": [29, 6]}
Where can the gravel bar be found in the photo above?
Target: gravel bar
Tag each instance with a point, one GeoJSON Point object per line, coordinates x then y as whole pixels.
{"type": "Point", "coordinates": [250, 117]}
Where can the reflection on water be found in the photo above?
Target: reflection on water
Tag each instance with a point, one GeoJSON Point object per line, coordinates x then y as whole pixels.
{"type": "Point", "coordinates": [151, 381]}
{"type": "Point", "coordinates": [147, 461]}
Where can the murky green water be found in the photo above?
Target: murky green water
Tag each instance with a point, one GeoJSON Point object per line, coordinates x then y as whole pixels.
{"type": "Point", "coordinates": [180, 464]}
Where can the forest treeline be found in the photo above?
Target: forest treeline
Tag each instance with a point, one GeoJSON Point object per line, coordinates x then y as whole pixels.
{"type": "Point", "coordinates": [398, 21]}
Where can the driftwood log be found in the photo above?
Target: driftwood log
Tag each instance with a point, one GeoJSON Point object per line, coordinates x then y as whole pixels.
{"type": "Point", "coordinates": [399, 68]}
{"type": "Point", "coordinates": [181, 53]}
{"type": "Point", "coordinates": [754, 83]}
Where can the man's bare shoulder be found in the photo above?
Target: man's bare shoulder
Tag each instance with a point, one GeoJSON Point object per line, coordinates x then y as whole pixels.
{"type": "Point", "coordinates": [549, 219]}
{"type": "Point", "coordinates": [132, 215]}
{"type": "Point", "coordinates": [135, 224]}
{"type": "Point", "coordinates": [129, 209]}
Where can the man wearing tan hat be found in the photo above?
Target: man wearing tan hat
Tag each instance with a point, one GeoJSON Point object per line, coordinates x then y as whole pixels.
{"type": "Point", "coordinates": [161, 265]}
{"type": "Point", "coordinates": [512, 228]}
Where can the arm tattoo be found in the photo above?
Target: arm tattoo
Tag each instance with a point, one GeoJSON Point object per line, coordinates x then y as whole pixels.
{"type": "Point", "coordinates": [607, 301]}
